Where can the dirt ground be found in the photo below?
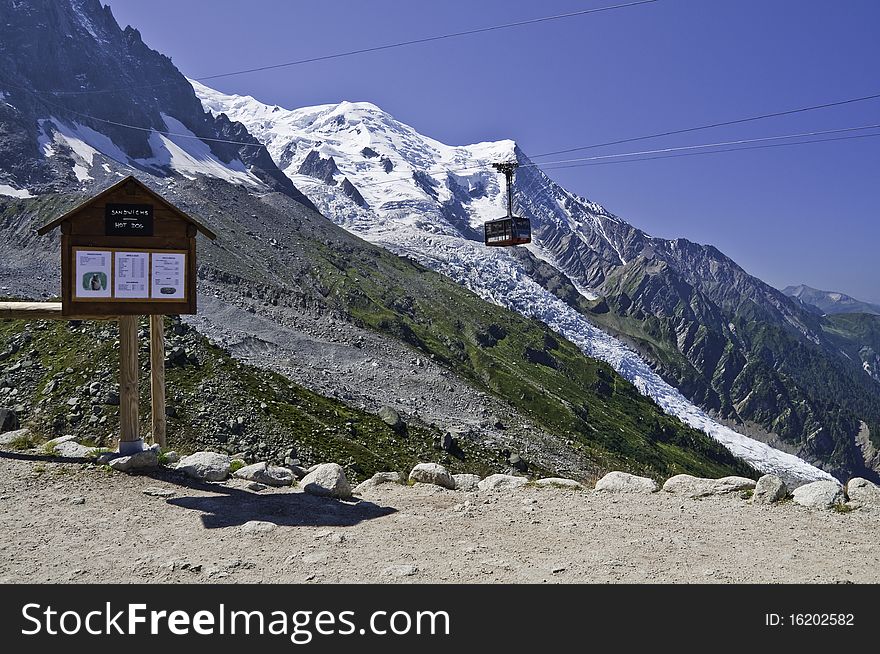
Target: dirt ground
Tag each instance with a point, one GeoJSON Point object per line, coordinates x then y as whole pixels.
{"type": "Point", "coordinates": [68, 522]}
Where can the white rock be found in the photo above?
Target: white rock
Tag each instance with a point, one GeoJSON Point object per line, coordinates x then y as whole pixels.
{"type": "Point", "coordinates": [205, 466]}
{"type": "Point", "coordinates": [559, 482]}
{"type": "Point", "coordinates": [466, 483]}
{"type": "Point", "coordinates": [6, 438]}
{"type": "Point", "coordinates": [432, 473]}
{"type": "Point", "coordinates": [819, 495]}
{"type": "Point", "coordinates": [257, 527]}
{"type": "Point", "coordinates": [377, 480]}
{"type": "Point", "coordinates": [699, 487]}
{"type": "Point", "coordinates": [139, 461]}
{"type": "Point", "coordinates": [623, 482]}
{"type": "Point", "coordinates": [55, 442]}
{"type": "Point", "coordinates": [862, 492]}
{"type": "Point", "coordinates": [502, 482]}
{"type": "Point", "coordinates": [328, 480]}
{"type": "Point", "coordinates": [72, 450]}
{"type": "Point", "coordinates": [263, 473]}
{"type": "Point", "coordinates": [769, 489]}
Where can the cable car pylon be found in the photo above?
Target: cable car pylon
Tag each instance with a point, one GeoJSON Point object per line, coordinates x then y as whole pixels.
{"type": "Point", "coordinates": [510, 230]}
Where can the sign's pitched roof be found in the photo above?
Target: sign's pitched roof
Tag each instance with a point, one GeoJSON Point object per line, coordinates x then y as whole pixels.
{"type": "Point", "coordinates": [48, 227]}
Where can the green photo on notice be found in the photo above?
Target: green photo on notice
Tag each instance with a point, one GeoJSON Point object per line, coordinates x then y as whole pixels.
{"type": "Point", "coordinates": [94, 281]}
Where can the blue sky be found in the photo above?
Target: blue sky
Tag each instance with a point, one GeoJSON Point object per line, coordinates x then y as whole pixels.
{"type": "Point", "coordinates": [803, 214]}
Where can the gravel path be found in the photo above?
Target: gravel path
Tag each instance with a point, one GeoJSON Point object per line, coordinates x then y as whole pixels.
{"type": "Point", "coordinates": [67, 522]}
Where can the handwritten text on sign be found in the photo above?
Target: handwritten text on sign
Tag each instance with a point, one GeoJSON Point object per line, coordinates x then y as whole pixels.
{"type": "Point", "coordinates": [128, 219]}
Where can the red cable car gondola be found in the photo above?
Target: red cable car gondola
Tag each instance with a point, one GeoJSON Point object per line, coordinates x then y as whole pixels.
{"type": "Point", "coordinates": [510, 230]}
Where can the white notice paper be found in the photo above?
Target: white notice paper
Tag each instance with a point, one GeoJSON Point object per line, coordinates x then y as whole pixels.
{"type": "Point", "coordinates": [169, 276]}
{"type": "Point", "coordinates": [131, 277]}
{"type": "Point", "coordinates": [92, 274]}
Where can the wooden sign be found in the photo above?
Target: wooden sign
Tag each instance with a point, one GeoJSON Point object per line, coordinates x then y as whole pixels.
{"type": "Point", "coordinates": [128, 251]}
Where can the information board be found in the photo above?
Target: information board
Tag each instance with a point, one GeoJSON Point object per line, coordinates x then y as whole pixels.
{"type": "Point", "coordinates": [119, 275]}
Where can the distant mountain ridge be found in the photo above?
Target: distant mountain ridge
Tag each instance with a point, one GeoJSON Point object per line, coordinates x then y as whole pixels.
{"type": "Point", "coordinates": [830, 302]}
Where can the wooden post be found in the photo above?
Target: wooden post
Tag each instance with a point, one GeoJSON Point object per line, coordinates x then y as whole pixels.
{"type": "Point", "coordinates": [129, 431]}
{"type": "Point", "coordinates": [157, 377]}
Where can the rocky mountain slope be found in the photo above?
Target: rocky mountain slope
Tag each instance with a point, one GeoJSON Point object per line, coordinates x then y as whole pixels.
{"type": "Point", "coordinates": [741, 350]}
{"type": "Point", "coordinates": [72, 80]}
{"type": "Point", "coordinates": [830, 302]}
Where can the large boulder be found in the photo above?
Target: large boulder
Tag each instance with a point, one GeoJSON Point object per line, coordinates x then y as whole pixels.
{"type": "Point", "coordinates": [502, 482]}
{"type": "Point", "coordinates": [769, 490]}
{"type": "Point", "coordinates": [559, 482]}
{"type": "Point", "coordinates": [819, 495]}
{"type": "Point", "coordinates": [623, 482]}
{"type": "Point", "coordinates": [145, 460]}
{"type": "Point", "coordinates": [205, 466]}
{"type": "Point", "coordinates": [263, 473]}
{"type": "Point", "coordinates": [863, 493]}
{"type": "Point", "coordinates": [467, 483]}
{"type": "Point", "coordinates": [377, 480]}
{"type": "Point", "coordinates": [432, 473]}
{"type": "Point", "coordinates": [327, 480]}
{"type": "Point", "coordinates": [699, 487]}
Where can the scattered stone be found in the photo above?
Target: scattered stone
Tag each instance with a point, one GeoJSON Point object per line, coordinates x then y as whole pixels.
{"type": "Point", "coordinates": [205, 466]}
{"type": "Point", "coordinates": [76, 500]}
{"type": "Point", "coordinates": [559, 482]}
{"type": "Point", "coordinates": [432, 473]}
{"type": "Point", "coordinates": [263, 473]}
{"type": "Point", "coordinates": [258, 527]}
{"type": "Point", "coordinates": [9, 437]}
{"type": "Point", "coordinates": [328, 480]}
{"type": "Point", "coordinates": [155, 491]}
{"type": "Point", "coordinates": [557, 569]}
{"type": "Point", "coordinates": [863, 493]}
{"type": "Point", "coordinates": [623, 482]}
{"type": "Point", "coordinates": [699, 487]}
{"type": "Point", "coordinates": [819, 495]}
{"type": "Point", "coordinates": [138, 461]}
{"type": "Point", "coordinates": [172, 457]}
{"type": "Point", "coordinates": [467, 483]}
{"type": "Point", "coordinates": [377, 480]}
{"type": "Point", "coordinates": [769, 490]}
{"type": "Point", "coordinates": [8, 420]}
{"type": "Point", "coordinates": [400, 571]}
{"type": "Point", "coordinates": [502, 482]}
{"type": "Point", "coordinates": [257, 487]}
{"type": "Point", "coordinates": [390, 417]}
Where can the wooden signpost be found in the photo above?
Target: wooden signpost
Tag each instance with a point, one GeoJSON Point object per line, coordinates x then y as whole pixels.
{"type": "Point", "coordinates": [126, 252]}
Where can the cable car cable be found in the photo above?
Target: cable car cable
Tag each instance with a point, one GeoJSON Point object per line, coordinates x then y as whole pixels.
{"type": "Point", "coordinates": [713, 125]}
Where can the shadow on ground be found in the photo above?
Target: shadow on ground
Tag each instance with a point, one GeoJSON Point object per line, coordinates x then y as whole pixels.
{"type": "Point", "coordinates": [232, 507]}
